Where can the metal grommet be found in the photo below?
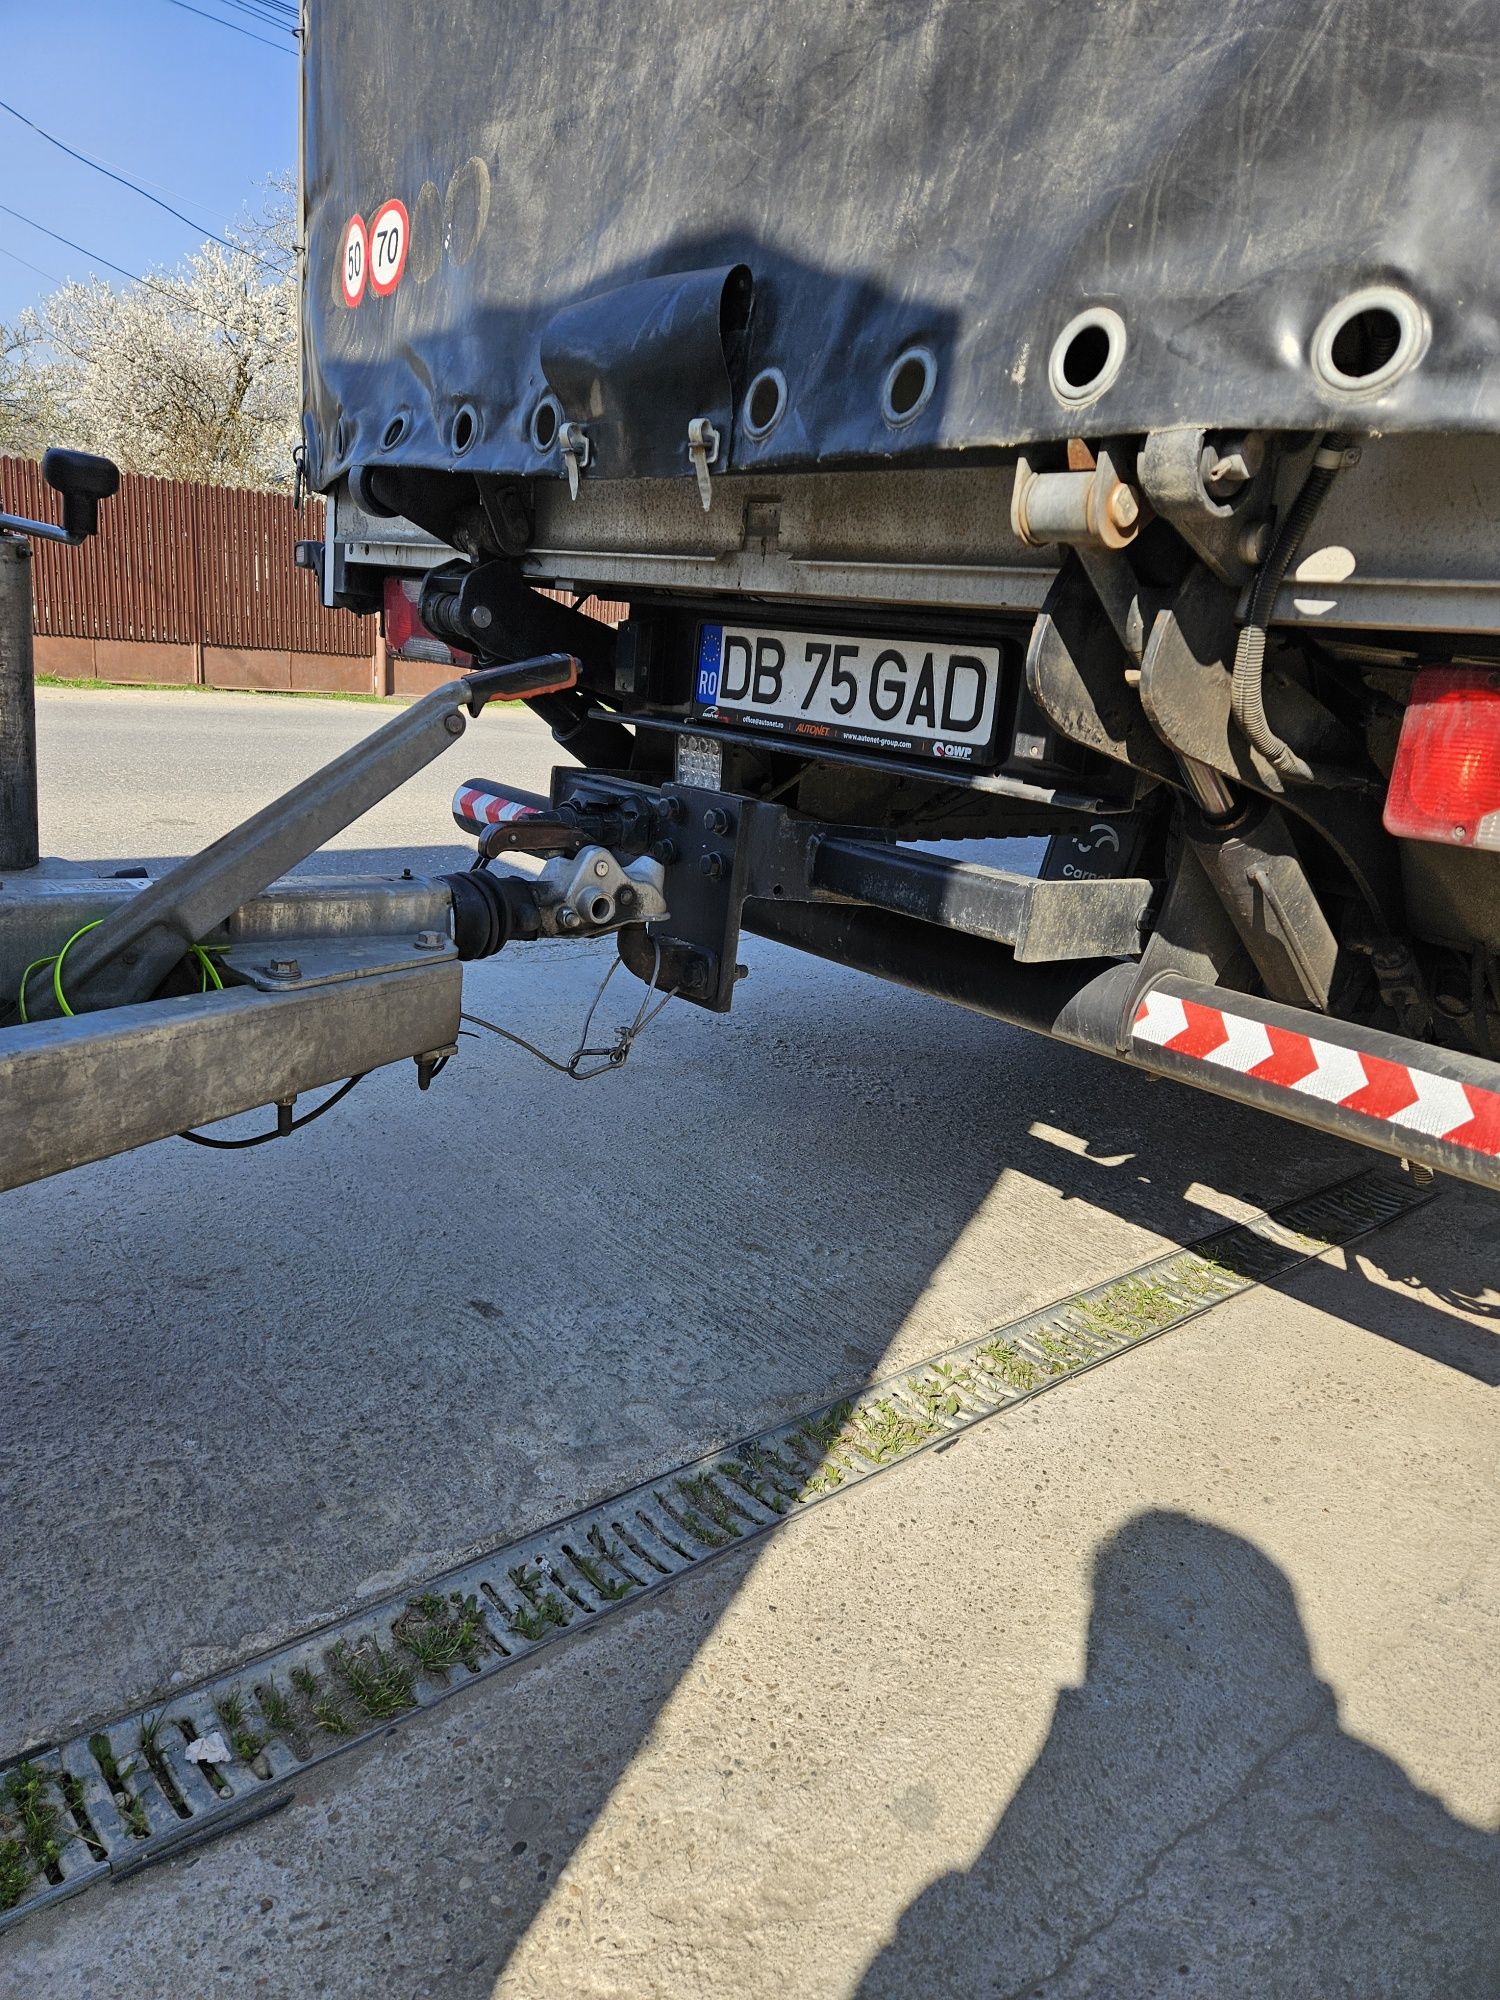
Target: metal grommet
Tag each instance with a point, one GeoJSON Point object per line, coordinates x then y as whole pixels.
{"type": "Point", "coordinates": [1087, 356]}
{"type": "Point", "coordinates": [1368, 340]}
{"type": "Point", "coordinates": [908, 386]}
{"type": "Point", "coordinates": [465, 429]}
{"type": "Point", "coordinates": [546, 421]}
{"type": "Point", "coordinates": [765, 403]}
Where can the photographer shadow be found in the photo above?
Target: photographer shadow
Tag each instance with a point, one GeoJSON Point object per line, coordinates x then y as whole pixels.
{"type": "Point", "coordinates": [1198, 1823]}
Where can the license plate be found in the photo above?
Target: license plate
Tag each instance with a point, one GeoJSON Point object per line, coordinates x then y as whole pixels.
{"type": "Point", "coordinates": [923, 697]}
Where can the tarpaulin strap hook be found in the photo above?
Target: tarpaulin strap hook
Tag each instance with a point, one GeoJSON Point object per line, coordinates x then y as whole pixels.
{"type": "Point", "coordinates": [576, 451]}
{"type": "Point", "coordinates": [703, 450]}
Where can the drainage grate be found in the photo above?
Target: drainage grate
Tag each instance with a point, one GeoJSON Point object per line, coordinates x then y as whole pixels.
{"type": "Point", "coordinates": [109, 1802]}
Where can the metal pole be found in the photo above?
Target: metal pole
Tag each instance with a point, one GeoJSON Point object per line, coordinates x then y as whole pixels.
{"type": "Point", "coordinates": [19, 838]}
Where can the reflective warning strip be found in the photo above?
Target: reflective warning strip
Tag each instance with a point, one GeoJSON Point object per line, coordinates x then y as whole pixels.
{"type": "Point", "coordinates": [485, 808]}
{"type": "Point", "coordinates": [1416, 1100]}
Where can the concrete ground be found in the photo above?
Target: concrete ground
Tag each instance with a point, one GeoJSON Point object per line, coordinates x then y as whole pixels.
{"type": "Point", "coordinates": [1181, 1680]}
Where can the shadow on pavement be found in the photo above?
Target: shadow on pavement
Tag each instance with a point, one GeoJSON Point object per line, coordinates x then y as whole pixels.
{"type": "Point", "coordinates": [401, 1341]}
{"type": "Point", "coordinates": [1198, 1823]}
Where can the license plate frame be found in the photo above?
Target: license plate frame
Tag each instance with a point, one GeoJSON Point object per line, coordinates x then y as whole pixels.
{"type": "Point", "coordinates": [903, 697]}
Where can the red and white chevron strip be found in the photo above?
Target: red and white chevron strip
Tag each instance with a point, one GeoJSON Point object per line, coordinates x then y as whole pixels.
{"type": "Point", "coordinates": [488, 808]}
{"type": "Point", "coordinates": [1463, 1114]}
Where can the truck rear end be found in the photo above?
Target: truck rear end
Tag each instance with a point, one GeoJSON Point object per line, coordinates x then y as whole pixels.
{"type": "Point", "coordinates": [999, 422]}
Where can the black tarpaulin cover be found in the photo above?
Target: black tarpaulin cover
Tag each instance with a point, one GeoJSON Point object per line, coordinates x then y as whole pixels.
{"type": "Point", "coordinates": [495, 184]}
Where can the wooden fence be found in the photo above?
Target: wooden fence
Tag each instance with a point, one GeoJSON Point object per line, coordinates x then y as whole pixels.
{"type": "Point", "coordinates": [191, 584]}
{"type": "Point", "coordinates": [198, 585]}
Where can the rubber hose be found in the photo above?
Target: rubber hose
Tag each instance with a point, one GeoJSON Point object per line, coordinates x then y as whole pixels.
{"type": "Point", "coordinates": [1247, 689]}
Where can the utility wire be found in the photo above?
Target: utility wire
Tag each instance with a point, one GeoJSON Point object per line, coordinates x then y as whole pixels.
{"type": "Point", "coordinates": [134, 276]}
{"type": "Point", "coordinates": [269, 12]}
{"type": "Point", "coordinates": [219, 21]}
{"type": "Point", "coordinates": [51, 276]}
{"type": "Point", "coordinates": [178, 298]}
{"type": "Point", "coordinates": [110, 174]}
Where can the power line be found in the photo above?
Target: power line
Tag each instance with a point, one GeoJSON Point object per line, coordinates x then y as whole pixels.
{"type": "Point", "coordinates": [124, 181]}
{"type": "Point", "coordinates": [270, 12]}
{"type": "Point", "coordinates": [134, 276]}
{"type": "Point", "coordinates": [51, 276]}
{"type": "Point", "coordinates": [178, 298]}
{"type": "Point", "coordinates": [219, 20]}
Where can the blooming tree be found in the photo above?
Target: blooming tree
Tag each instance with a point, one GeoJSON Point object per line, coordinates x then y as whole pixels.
{"type": "Point", "coordinates": [188, 374]}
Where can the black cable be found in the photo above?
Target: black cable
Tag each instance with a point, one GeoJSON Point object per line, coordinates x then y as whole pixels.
{"type": "Point", "coordinates": [15, 258]}
{"type": "Point", "coordinates": [110, 174]}
{"type": "Point", "coordinates": [1247, 696]}
{"type": "Point", "coordinates": [270, 13]}
{"type": "Point", "coordinates": [219, 21]}
{"type": "Point", "coordinates": [151, 285]}
{"type": "Point", "coordinates": [264, 1138]}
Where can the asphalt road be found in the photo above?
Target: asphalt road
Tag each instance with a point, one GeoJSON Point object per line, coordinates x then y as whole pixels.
{"type": "Point", "coordinates": [1180, 1680]}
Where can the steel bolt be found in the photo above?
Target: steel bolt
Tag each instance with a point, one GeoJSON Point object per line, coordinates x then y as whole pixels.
{"type": "Point", "coordinates": [567, 918]}
{"type": "Point", "coordinates": [626, 897]}
{"type": "Point", "coordinates": [285, 968]}
{"type": "Point", "coordinates": [1124, 508]}
{"type": "Point", "coordinates": [713, 866]}
{"type": "Point", "coordinates": [482, 617]}
{"type": "Point", "coordinates": [430, 940]}
{"type": "Point", "coordinates": [453, 722]}
{"type": "Point", "coordinates": [664, 850]}
{"type": "Point", "coordinates": [601, 868]}
{"type": "Point", "coordinates": [716, 820]}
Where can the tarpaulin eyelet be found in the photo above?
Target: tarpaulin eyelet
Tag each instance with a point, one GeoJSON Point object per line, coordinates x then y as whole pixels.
{"type": "Point", "coordinates": [545, 420]}
{"type": "Point", "coordinates": [908, 386]}
{"type": "Point", "coordinates": [765, 403]}
{"type": "Point", "coordinates": [1369, 340]}
{"type": "Point", "coordinates": [1087, 356]}
{"type": "Point", "coordinates": [394, 431]}
{"type": "Point", "coordinates": [465, 429]}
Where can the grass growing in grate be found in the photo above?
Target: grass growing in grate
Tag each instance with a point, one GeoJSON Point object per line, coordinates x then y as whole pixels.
{"type": "Point", "coordinates": [885, 1432]}
{"type": "Point", "coordinates": [376, 1679]}
{"type": "Point", "coordinates": [609, 1588]}
{"type": "Point", "coordinates": [156, 1763]}
{"type": "Point", "coordinates": [131, 1808]}
{"type": "Point", "coordinates": [541, 1606]}
{"type": "Point", "coordinates": [17, 1872]}
{"type": "Point", "coordinates": [29, 1824]}
{"type": "Point", "coordinates": [278, 1710]}
{"type": "Point", "coordinates": [321, 1706]}
{"type": "Point", "coordinates": [442, 1633]}
{"type": "Point", "coordinates": [72, 1791]}
{"type": "Point", "coordinates": [704, 1499]}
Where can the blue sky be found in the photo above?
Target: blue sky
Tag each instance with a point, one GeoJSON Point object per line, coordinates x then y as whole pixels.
{"type": "Point", "coordinates": [197, 112]}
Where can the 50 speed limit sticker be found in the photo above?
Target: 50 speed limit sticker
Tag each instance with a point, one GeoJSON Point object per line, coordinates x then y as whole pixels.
{"type": "Point", "coordinates": [390, 233]}
{"type": "Point", "coordinates": [354, 268]}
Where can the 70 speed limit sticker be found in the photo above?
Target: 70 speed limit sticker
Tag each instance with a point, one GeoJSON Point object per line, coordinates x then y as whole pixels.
{"type": "Point", "coordinates": [375, 255]}
{"type": "Point", "coordinates": [390, 232]}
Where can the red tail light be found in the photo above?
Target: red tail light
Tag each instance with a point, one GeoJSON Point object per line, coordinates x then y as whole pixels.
{"type": "Point", "coordinates": [406, 635]}
{"type": "Point", "coordinates": [1446, 781]}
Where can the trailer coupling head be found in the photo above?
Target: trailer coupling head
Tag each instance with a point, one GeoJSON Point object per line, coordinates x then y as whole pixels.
{"type": "Point", "coordinates": [600, 874]}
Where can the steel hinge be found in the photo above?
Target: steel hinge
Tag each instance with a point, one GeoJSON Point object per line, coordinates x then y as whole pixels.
{"type": "Point", "coordinates": [703, 450]}
{"type": "Point", "coordinates": [577, 452]}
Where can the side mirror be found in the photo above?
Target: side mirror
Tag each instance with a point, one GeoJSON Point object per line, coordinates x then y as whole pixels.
{"type": "Point", "coordinates": [83, 481]}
